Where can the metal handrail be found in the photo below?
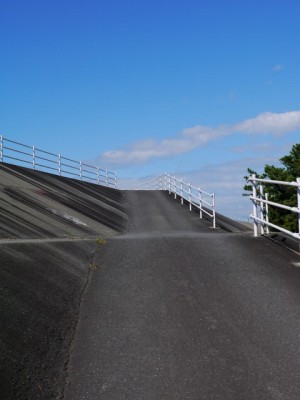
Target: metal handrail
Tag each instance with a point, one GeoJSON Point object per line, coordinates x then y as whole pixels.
{"type": "Point", "coordinates": [8, 152]}
{"type": "Point", "coordinates": [20, 144]}
{"type": "Point", "coordinates": [262, 221]}
{"type": "Point", "coordinates": [192, 187]}
{"type": "Point", "coordinates": [178, 190]}
{"type": "Point", "coordinates": [43, 151]}
{"type": "Point", "coordinates": [41, 165]}
{"type": "Point", "coordinates": [45, 159]}
{"type": "Point", "coordinates": [18, 159]}
{"type": "Point", "coordinates": [261, 203]}
{"type": "Point", "coordinates": [183, 190]}
{"type": "Point", "coordinates": [271, 203]}
{"type": "Point", "coordinates": [90, 166]}
{"type": "Point", "coordinates": [135, 187]}
{"type": "Point", "coordinates": [274, 182]}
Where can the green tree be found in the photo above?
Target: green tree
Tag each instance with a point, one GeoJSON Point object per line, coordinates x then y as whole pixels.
{"type": "Point", "coordinates": [286, 195]}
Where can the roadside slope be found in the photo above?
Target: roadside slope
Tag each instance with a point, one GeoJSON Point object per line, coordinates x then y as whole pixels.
{"type": "Point", "coordinates": [48, 231]}
{"type": "Point", "coordinates": [35, 204]}
{"type": "Point", "coordinates": [40, 292]}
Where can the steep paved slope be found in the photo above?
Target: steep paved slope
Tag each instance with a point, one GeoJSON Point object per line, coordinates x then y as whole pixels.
{"type": "Point", "coordinates": [45, 262]}
{"type": "Point", "coordinates": [34, 204]}
{"type": "Point", "coordinates": [176, 310]}
{"type": "Point", "coordinates": [40, 291]}
{"type": "Point", "coordinates": [169, 308]}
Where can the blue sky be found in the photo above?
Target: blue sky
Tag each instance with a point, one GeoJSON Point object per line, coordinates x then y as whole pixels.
{"type": "Point", "coordinates": [201, 89]}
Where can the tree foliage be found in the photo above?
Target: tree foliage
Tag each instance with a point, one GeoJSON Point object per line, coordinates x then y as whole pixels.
{"type": "Point", "coordinates": [286, 195]}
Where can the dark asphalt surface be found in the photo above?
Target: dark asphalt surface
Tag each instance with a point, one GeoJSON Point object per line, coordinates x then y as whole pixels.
{"type": "Point", "coordinates": [175, 310]}
{"type": "Point", "coordinates": [43, 272]}
{"type": "Point", "coordinates": [37, 205]}
{"type": "Point", "coordinates": [41, 285]}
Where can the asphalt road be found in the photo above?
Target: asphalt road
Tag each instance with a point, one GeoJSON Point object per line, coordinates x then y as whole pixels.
{"type": "Point", "coordinates": [175, 310]}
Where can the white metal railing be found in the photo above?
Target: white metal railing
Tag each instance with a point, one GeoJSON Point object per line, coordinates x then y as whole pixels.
{"type": "Point", "coordinates": [153, 184]}
{"type": "Point", "coordinates": [14, 152]}
{"type": "Point", "coordinates": [261, 205]}
{"type": "Point", "coordinates": [195, 196]}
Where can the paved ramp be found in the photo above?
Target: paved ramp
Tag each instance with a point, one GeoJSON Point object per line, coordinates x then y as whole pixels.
{"type": "Point", "coordinates": [176, 310]}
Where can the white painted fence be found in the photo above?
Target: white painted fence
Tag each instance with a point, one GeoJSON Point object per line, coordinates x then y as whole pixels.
{"type": "Point", "coordinates": [195, 196]}
{"type": "Point", "coordinates": [261, 205]}
{"type": "Point", "coordinates": [21, 154]}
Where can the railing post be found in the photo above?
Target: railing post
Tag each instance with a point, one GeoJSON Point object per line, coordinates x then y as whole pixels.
{"type": "Point", "coordinates": [214, 210]}
{"type": "Point", "coordinates": [80, 170]}
{"type": "Point", "coordinates": [175, 188]}
{"type": "Point", "coordinates": [59, 165]}
{"type": "Point", "coordinates": [190, 196]}
{"type": "Point", "coordinates": [200, 202]}
{"type": "Point", "coordinates": [106, 177]}
{"type": "Point", "coordinates": [165, 181]}
{"type": "Point", "coordinates": [160, 183]}
{"type": "Point", "coordinates": [261, 205]}
{"type": "Point", "coordinates": [33, 157]}
{"type": "Point", "coordinates": [254, 194]}
{"type": "Point", "coordinates": [169, 183]}
{"type": "Point", "coordinates": [1, 148]}
{"type": "Point", "coordinates": [298, 203]}
{"type": "Point", "coordinates": [267, 213]}
{"type": "Point", "coordinates": [98, 177]}
{"type": "Point", "coordinates": [115, 180]}
{"type": "Point", "coordinates": [181, 191]}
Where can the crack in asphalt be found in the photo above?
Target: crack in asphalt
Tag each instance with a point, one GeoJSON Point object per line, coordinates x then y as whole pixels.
{"type": "Point", "coordinates": [91, 267]}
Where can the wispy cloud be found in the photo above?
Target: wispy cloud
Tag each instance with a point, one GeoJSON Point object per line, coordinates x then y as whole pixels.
{"type": "Point", "coordinates": [266, 148]}
{"type": "Point", "coordinates": [278, 67]}
{"type": "Point", "coordinates": [197, 136]}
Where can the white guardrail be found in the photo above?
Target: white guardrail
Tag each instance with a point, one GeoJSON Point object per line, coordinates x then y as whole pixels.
{"type": "Point", "coordinates": [261, 205]}
{"type": "Point", "coordinates": [203, 201]}
{"type": "Point", "coordinates": [12, 152]}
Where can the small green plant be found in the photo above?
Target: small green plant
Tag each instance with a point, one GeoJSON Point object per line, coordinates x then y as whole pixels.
{"type": "Point", "coordinates": [100, 241]}
{"type": "Point", "coordinates": [92, 266]}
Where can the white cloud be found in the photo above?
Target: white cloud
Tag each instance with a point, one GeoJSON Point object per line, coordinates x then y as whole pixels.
{"type": "Point", "coordinates": [197, 136]}
{"type": "Point", "coordinates": [266, 148]}
{"type": "Point", "coordinates": [276, 124]}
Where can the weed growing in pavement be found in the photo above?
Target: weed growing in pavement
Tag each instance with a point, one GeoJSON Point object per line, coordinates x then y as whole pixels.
{"type": "Point", "coordinates": [100, 241]}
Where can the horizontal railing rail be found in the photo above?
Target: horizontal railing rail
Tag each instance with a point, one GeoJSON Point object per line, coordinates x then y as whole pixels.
{"type": "Point", "coordinates": [153, 184]}
{"type": "Point", "coordinates": [194, 196]}
{"type": "Point", "coordinates": [260, 201]}
{"type": "Point", "coordinates": [42, 160]}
